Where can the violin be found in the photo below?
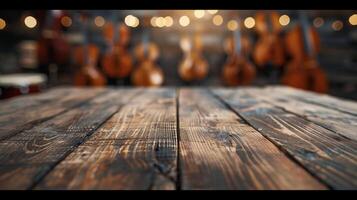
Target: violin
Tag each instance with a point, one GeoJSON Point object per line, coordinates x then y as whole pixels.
{"type": "Point", "coordinates": [52, 46]}
{"type": "Point", "coordinates": [303, 71]}
{"type": "Point", "coordinates": [86, 56]}
{"type": "Point", "coordinates": [238, 70]}
{"type": "Point", "coordinates": [147, 73]}
{"type": "Point", "coordinates": [269, 48]}
{"type": "Point", "coordinates": [193, 66]}
{"type": "Point", "coordinates": [117, 62]}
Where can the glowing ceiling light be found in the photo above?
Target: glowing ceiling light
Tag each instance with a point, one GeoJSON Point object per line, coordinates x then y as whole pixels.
{"type": "Point", "coordinates": [318, 22]}
{"type": "Point", "coordinates": [168, 21]}
{"type": "Point", "coordinates": [199, 13]}
{"type": "Point", "coordinates": [131, 21]}
{"type": "Point", "coordinates": [249, 22]}
{"type": "Point", "coordinates": [2, 23]}
{"type": "Point", "coordinates": [284, 20]}
{"type": "Point", "coordinates": [217, 20]}
{"type": "Point", "coordinates": [99, 21]}
{"type": "Point", "coordinates": [232, 25]}
{"type": "Point", "coordinates": [184, 21]}
{"type": "Point", "coordinates": [212, 12]}
{"type": "Point", "coordinates": [30, 22]}
{"type": "Point", "coordinates": [337, 25]}
{"type": "Point", "coordinates": [353, 19]}
{"type": "Point", "coordinates": [160, 22]}
{"type": "Point", "coordinates": [66, 21]}
{"type": "Point", "coordinates": [153, 21]}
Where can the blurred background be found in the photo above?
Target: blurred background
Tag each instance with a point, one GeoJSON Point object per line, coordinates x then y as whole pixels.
{"type": "Point", "coordinates": [310, 49]}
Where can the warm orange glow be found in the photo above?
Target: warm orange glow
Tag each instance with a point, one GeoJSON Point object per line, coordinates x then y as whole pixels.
{"type": "Point", "coordinates": [30, 22]}
{"type": "Point", "coordinates": [199, 13]}
{"type": "Point", "coordinates": [318, 22]}
{"type": "Point", "coordinates": [232, 25]}
{"type": "Point", "coordinates": [66, 21]}
{"type": "Point", "coordinates": [212, 12]}
{"type": "Point", "coordinates": [2, 23]}
{"type": "Point", "coordinates": [168, 21]}
{"type": "Point", "coordinates": [99, 21]}
{"type": "Point", "coordinates": [337, 25]}
{"type": "Point", "coordinates": [184, 21]}
{"type": "Point", "coordinates": [160, 22]}
{"type": "Point", "coordinates": [217, 20]}
{"type": "Point", "coordinates": [353, 19]}
{"type": "Point", "coordinates": [131, 21]}
{"type": "Point", "coordinates": [284, 20]}
{"type": "Point", "coordinates": [153, 21]}
{"type": "Point", "coordinates": [249, 22]}
{"type": "Point", "coordinates": [136, 22]}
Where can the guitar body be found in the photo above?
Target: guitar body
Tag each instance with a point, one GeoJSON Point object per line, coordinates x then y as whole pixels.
{"type": "Point", "coordinates": [269, 47]}
{"type": "Point", "coordinates": [147, 73]}
{"type": "Point", "coordinates": [316, 77]}
{"type": "Point", "coordinates": [295, 76]}
{"type": "Point", "coordinates": [193, 67]}
{"type": "Point", "coordinates": [238, 71]}
{"type": "Point", "coordinates": [117, 62]}
{"type": "Point", "coordinates": [52, 46]}
{"type": "Point", "coordinates": [88, 75]}
{"type": "Point", "coordinates": [303, 71]}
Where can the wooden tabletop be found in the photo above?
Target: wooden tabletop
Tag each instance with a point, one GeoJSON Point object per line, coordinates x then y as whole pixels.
{"type": "Point", "coordinates": [178, 138]}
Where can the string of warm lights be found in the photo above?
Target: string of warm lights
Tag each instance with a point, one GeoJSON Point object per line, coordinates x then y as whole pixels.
{"type": "Point", "coordinates": [184, 21]}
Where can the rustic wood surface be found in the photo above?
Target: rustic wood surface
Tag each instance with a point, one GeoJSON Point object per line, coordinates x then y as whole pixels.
{"type": "Point", "coordinates": [178, 139]}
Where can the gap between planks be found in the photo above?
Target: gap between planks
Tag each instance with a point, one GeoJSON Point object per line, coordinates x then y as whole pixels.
{"type": "Point", "coordinates": [324, 165]}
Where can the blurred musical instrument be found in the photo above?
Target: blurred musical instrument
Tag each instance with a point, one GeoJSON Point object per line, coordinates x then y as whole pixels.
{"type": "Point", "coordinates": [238, 70]}
{"type": "Point", "coordinates": [86, 56]}
{"type": "Point", "coordinates": [117, 62]}
{"type": "Point", "coordinates": [269, 48]}
{"type": "Point", "coordinates": [193, 66]}
{"type": "Point", "coordinates": [303, 71]}
{"type": "Point", "coordinates": [52, 46]}
{"type": "Point", "coordinates": [147, 72]}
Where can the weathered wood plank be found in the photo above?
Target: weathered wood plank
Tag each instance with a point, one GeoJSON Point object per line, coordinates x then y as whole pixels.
{"type": "Point", "coordinates": [20, 118]}
{"type": "Point", "coordinates": [135, 149]}
{"type": "Point", "coordinates": [339, 122]}
{"type": "Point", "coordinates": [28, 156]}
{"type": "Point", "coordinates": [29, 101]}
{"type": "Point", "coordinates": [218, 150]}
{"type": "Point", "coordinates": [329, 156]}
{"type": "Point", "coordinates": [325, 100]}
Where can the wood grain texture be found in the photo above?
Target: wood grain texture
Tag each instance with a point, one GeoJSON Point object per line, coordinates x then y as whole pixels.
{"type": "Point", "coordinates": [28, 156]}
{"type": "Point", "coordinates": [329, 156]}
{"type": "Point", "coordinates": [135, 149]}
{"type": "Point", "coordinates": [11, 105]}
{"type": "Point", "coordinates": [218, 150]}
{"type": "Point", "coordinates": [332, 119]}
{"type": "Point", "coordinates": [325, 100]}
{"type": "Point", "coordinates": [17, 118]}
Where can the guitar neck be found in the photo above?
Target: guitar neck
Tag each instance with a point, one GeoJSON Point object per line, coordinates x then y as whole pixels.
{"type": "Point", "coordinates": [306, 36]}
{"type": "Point", "coordinates": [85, 33]}
{"type": "Point", "coordinates": [145, 40]}
{"type": "Point", "coordinates": [269, 22]}
{"type": "Point", "coordinates": [115, 26]}
{"type": "Point", "coordinates": [237, 38]}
